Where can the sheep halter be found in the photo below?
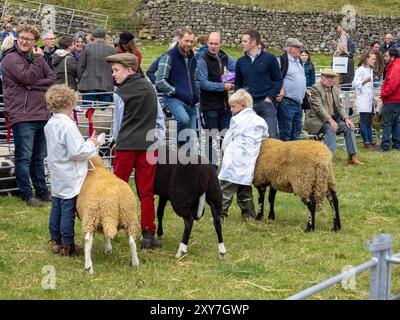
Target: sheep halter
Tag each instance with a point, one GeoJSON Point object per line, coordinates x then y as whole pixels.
{"type": "Point", "coordinates": [94, 168]}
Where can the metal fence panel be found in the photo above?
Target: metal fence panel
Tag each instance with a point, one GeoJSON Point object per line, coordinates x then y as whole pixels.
{"type": "Point", "coordinates": [51, 17]}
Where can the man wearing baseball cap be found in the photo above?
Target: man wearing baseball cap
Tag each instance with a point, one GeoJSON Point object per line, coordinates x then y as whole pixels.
{"type": "Point", "coordinates": [135, 114]}
{"type": "Point", "coordinates": [327, 115]}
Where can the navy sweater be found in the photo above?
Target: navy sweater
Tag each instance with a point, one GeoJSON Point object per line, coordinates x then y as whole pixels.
{"type": "Point", "coordinates": [261, 79]}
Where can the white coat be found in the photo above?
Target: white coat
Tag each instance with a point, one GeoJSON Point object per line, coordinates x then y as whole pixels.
{"type": "Point", "coordinates": [241, 146]}
{"type": "Point", "coordinates": [364, 93]}
{"type": "Point", "coordinates": [68, 155]}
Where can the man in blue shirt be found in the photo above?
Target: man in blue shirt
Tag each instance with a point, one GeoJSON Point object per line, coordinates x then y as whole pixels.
{"type": "Point", "coordinates": [258, 72]}
{"type": "Point", "coordinates": [292, 93]}
{"type": "Point", "coordinates": [8, 32]}
{"type": "Point", "coordinates": [213, 91]}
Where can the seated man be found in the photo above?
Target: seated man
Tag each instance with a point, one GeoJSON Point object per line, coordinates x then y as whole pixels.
{"type": "Point", "coordinates": [329, 117]}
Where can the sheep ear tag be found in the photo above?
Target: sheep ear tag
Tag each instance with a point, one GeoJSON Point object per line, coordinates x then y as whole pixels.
{"type": "Point", "coordinates": [88, 115]}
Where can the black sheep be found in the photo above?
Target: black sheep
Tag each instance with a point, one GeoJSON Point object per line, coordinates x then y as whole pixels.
{"type": "Point", "coordinates": [188, 187]}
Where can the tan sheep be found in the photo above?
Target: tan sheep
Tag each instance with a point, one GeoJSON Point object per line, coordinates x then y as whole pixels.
{"type": "Point", "coordinates": [303, 168]}
{"type": "Point", "coordinates": [106, 204]}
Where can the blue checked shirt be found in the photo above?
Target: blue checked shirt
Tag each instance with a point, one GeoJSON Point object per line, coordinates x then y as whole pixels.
{"type": "Point", "coordinates": [164, 68]}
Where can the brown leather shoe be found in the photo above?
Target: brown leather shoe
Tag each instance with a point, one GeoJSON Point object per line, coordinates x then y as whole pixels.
{"type": "Point", "coordinates": [55, 246]}
{"type": "Point", "coordinates": [33, 202]}
{"type": "Point", "coordinates": [353, 160]}
{"type": "Point", "coordinates": [367, 145]}
{"type": "Point", "coordinates": [72, 250]}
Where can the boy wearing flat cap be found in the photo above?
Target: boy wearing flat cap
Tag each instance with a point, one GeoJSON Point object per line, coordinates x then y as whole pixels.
{"type": "Point", "coordinates": [327, 115]}
{"type": "Point", "coordinates": [136, 113]}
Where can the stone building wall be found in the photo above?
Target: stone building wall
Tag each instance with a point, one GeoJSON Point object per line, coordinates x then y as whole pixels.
{"type": "Point", "coordinates": [317, 30]}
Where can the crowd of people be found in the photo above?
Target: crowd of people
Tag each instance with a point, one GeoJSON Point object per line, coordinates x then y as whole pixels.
{"type": "Point", "coordinates": [244, 101]}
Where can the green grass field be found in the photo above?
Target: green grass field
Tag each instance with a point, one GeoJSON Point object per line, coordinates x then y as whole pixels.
{"type": "Point", "coordinates": [266, 260]}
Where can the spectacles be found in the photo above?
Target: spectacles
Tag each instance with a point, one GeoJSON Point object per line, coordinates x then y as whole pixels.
{"type": "Point", "coordinates": [26, 39]}
{"type": "Point", "coordinates": [50, 39]}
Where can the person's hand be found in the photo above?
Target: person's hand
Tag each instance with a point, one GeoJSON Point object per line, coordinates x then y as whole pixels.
{"type": "Point", "coordinates": [93, 138]}
{"type": "Point", "coordinates": [280, 96]}
{"type": "Point", "coordinates": [268, 100]}
{"type": "Point", "coordinates": [229, 86]}
{"type": "Point", "coordinates": [334, 125]}
{"type": "Point", "coordinates": [308, 92]}
{"type": "Point", "coordinates": [366, 80]}
{"type": "Point", "coordinates": [37, 51]}
{"type": "Point", "coordinates": [349, 124]}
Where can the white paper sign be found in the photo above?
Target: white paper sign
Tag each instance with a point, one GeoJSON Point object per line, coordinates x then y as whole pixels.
{"type": "Point", "coordinates": [340, 64]}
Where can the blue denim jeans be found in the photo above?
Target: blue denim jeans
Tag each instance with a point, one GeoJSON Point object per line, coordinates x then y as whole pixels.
{"type": "Point", "coordinates": [219, 120]}
{"type": "Point", "coordinates": [30, 151]}
{"type": "Point", "coordinates": [267, 111]}
{"type": "Point", "coordinates": [391, 126]}
{"type": "Point", "coordinates": [185, 116]}
{"type": "Point", "coordinates": [330, 137]}
{"type": "Point", "coordinates": [62, 220]}
{"type": "Point", "coordinates": [88, 95]}
{"type": "Point", "coordinates": [289, 120]}
{"type": "Point", "coordinates": [366, 127]}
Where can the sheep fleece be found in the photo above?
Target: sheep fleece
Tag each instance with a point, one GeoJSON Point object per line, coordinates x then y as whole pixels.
{"type": "Point", "coordinates": [106, 203]}
{"type": "Point", "coordinates": [300, 167]}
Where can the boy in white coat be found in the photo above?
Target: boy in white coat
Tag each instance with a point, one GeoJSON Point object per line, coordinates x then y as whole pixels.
{"type": "Point", "coordinates": [240, 149]}
{"type": "Point", "coordinates": [68, 155]}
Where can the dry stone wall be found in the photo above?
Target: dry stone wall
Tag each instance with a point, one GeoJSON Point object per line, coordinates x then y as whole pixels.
{"type": "Point", "coordinates": [317, 30]}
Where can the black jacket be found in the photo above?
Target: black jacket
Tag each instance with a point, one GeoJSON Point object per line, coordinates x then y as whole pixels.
{"type": "Point", "coordinates": [59, 68]}
{"type": "Point", "coordinates": [140, 113]}
{"type": "Point", "coordinates": [214, 100]}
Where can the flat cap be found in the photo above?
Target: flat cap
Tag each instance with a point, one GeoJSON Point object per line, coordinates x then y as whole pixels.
{"type": "Point", "coordinates": [328, 72]}
{"type": "Point", "coordinates": [99, 33]}
{"type": "Point", "coordinates": [126, 59]}
{"type": "Point", "coordinates": [293, 42]}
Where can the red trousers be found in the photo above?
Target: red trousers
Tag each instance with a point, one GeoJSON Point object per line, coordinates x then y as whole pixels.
{"type": "Point", "coordinates": [124, 163]}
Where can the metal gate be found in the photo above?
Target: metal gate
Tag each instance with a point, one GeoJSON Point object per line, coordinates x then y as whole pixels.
{"type": "Point", "coordinates": [50, 17]}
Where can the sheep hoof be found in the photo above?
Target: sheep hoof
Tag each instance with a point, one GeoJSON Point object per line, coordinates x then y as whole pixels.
{"type": "Point", "coordinates": [309, 229]}
{"type": "Point", "coordinates": [259, 217]}
{"type": "Point", "coordinates": [222, 251]}
{"type": "Point", "coordinates": [135, 263]}
{"type": "Point", "coordinates": [181, 251]}
{"type": "Point", "coordinates": [89, 270]}
{"type": "Point", "coordinates": [336, 228]}
{"type": "Point", "coordinates": [222, 255]}
{"type": "Point", "coordinates": [180, 254]}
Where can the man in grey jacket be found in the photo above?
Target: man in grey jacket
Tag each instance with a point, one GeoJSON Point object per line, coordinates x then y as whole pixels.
{"type": "Point", "coordinates": [26, 78]}
{"type": "Point", "coordinates": [94, 73]}
{"type": "Point", "coordinates": [328, 117]}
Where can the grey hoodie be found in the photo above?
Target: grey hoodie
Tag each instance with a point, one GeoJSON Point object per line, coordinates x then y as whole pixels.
{"type": "Point", "coordinates": [59, 68]}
